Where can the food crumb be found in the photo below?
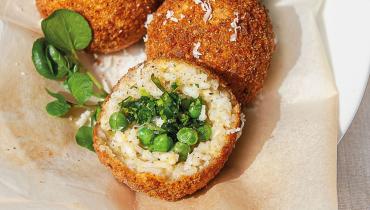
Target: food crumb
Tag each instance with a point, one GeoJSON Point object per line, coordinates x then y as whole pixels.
{"type": "Point", "coordinates": [149, 19]}
{"type": "Point", "coordinates": [145, 37]}
{"type": "Point", "coordinates": [239, 129]}
{"type": "Point", "coordinates": [235, 27]}
{"type": "Point", "coordinates": [203, 115]}
{"type": "Point", "coordinates": [169, 16]}
{"type": "Point", "coordinates": [196, 52]}
{"type": "Point", "coordinates": [22, 73]}
{"type": "Point", "coordinates": [206, 7]}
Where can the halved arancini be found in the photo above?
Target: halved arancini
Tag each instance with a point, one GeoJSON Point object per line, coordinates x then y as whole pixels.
{"type": "Point", "coordinates": [156, 163]}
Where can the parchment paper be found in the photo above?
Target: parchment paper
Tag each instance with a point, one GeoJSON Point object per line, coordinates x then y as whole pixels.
{"type": "Point", "coordinates": [285, 159]}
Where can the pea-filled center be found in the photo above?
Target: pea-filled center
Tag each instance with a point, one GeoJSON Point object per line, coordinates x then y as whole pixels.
{"type": "Point", "coordinates": [172, 122]}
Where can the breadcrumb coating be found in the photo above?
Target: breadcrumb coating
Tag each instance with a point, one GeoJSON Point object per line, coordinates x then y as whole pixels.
{"type": "Point", "coordinates": [236, 40]}
{"type": "Point", "coordinates": [116, 24]}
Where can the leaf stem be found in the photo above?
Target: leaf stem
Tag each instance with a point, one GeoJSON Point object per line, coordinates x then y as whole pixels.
{"type": "Point", "coordinates": [95, 81]}
{"type": "Point", "coordinates": [85, 106]}
{"type": "Point", "coordinates": [100, 95]}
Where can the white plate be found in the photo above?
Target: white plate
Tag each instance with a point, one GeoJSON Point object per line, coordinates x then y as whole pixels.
{"type": "Point", "coordinates": [346, 27]}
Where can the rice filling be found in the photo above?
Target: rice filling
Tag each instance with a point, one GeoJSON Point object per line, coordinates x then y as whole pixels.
{"type": "Point", "coordinates": [192, 82]}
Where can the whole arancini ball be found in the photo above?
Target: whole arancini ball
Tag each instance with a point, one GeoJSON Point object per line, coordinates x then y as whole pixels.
{"type": "Point", "coordinates": [116, 24]}
{"type": "Point", "coordinates": [232, 37]}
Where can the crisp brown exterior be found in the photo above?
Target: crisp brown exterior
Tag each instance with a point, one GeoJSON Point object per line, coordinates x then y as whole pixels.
{"type": "Point", "coordinates": [158, 186]}
{"type": "Point", "coordinates": [116, 24]}
{"type": "Point", "coordinates": [243, 63]}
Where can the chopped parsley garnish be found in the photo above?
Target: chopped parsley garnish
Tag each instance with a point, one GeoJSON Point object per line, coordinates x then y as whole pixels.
{"type": "Point", "coordinates": [181, 129]}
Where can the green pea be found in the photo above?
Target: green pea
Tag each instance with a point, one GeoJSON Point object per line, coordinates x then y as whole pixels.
{"type": "Point", "coordinates": [205, 132]}
{"type": "Point", "coordinates": [118, 121]}
{"type": "Point", "coordinates": [195, 108]}
{"type": "Point", "coordinates": [161, 143]}
{"type": "Point", "coordinates": [182, 149]}
{"type": "Point", "coordinates": [188, 136]}
{"type": "Point", "coordinates": [146, 136]}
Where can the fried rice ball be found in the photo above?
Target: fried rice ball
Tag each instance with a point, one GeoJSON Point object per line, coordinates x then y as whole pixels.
{"type": "Point", "coordinates": [163, 174]}
{"type": "Point", "coordinates": [232, 37]}
{"type": "Point", "coordinates": [116, 24]}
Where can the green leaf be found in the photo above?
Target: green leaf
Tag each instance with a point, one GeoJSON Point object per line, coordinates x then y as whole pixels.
{"type": "Point", "coordinates": [81, 87]}
{"type": "Point", "coordinates": [39, 59]}
{"type": "Point", "coordinates": [67, 30]}
{"type": "Point", "coordinates": [195, 108]}
{"type": "Point", "coordinates": [144, 115]}
{"type": "Point", "coordinates": [144, 92]}
{"type": "Point", "coordinates": [58, 96]}
{"type": "Point", "coordinates": [174, 86]}
{"type": "Point", "coordinates": [97, 113]}
{"type": "Point", "coordinates": [157, 83]}
{"type": "Point", "coordinates": [48, 61]}
{"type": "Point", "coordinates": [58, 108]}
{"type": "Point", "coordinates": [84, 137]}
{"type": "Point", "coordinates": [60, 63]}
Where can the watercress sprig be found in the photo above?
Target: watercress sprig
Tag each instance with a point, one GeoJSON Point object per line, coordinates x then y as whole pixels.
{"type": "Point", "coordinates": [55, 57]}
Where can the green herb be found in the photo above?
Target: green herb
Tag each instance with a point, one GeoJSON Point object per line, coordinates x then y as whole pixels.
{"type": "Point", "coordinates": [81, 87]}
{"type": "Point", "coordinates": [195, 108]}
{"type": "Point", "coordinates": [184, 119]}
{"type": "Point", "coordinates": [67, 30]}
{"type": "Point", "coordinates": [182, 149]}
{"type": "Point", "coordinates": [59, 107]}
{"type": "Point", "coordinates": [157, 83]}
{"type": "Point", "coordinates": [118, 121]}
{"type": "Point", "coordinates": [97, 113]}
{"type": "Point", "coordinates": [42, 63]}
{"type": "Point", "coordinates": [179, 115]}
{"type": "Point", "coordinates": [55, 57]}
{"type": "Point", "coordinates": [167, 106]}
{"type": "Point", "coordinates": [156, 129]}
{"type": "Point", "coordinates": [58, 61]}
{"type": "Point", "coordinates": [174, 86]}
{"type": "Point", "coordinates": [84, 137]}
{"type": "Point", "coordinates": [144, 92]}
{"type": "Point", "coordinates": [127, 101]}
{"type": "Point", "coordinates": [144, 115]}
{"type": "Point", "coordinates": [185, 104]}
{"type": "Point", "coordinates": [171, 127]}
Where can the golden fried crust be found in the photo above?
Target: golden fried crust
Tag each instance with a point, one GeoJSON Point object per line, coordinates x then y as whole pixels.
{"type": "Point", "coordinates": [157, 186]}
{"type": "Point", "coordinates": [243, 63]}
{"type": "Point", "coordinates": [116, 24]}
